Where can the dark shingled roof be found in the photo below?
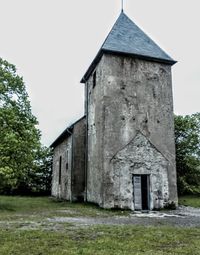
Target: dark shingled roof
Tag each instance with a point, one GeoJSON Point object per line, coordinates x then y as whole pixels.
{"type": "Point", "coordinates": [127, 38]}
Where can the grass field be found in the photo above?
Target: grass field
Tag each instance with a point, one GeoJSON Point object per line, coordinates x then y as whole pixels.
{"type": "Point", "coordinates": [25, 229]}
{"type": "Point", "coordinates": [193, 201]}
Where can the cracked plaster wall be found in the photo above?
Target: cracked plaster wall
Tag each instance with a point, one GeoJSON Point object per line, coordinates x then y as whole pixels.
{"type": "Point", "coordinates": [130, 95]}
{"type": "Point", "coordinates": [72, 186]}
{"type": "Point", "coordinates": [139, 157]}
{"type": "Point", "coordinates": [78, 172]}
{"type": "Point", "coordinates": [62, 190]}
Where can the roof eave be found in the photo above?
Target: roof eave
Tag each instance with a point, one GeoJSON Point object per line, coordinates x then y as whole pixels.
{"type": "Point", "coordinates": [92, 66]}
{"type": "Point", "coordinates": [144, 57]}
{"type": "Point", "coordinates": [66, 133]}
{"type": "Point", "coordinates": [102, 51]}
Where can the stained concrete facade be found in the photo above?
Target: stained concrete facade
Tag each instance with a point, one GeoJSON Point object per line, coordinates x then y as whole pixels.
{"type": "Point", "coordinates": [62, 169]}
{"type": "Point", "coordinates": [68, 178]}
{"type": "Point", "coordinates": [122, 155]}
{"type": "Point", "coordinates": [130, 104]}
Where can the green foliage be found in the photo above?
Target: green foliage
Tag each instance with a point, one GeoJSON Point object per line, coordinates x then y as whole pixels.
{"type": "Point", "coordinates": [39, 177]}
{"type": "Point", "coordinates": [187, 139]}
{"type": "Point", "coordinates": [20, 147]}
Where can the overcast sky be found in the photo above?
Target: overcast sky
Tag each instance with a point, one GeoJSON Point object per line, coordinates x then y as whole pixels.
{"type": "Point", "coordinates": [52, 43]}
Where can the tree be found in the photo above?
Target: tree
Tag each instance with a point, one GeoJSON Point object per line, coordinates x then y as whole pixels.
{"type": "Point", "coordinates": [19, 138]}
{"type": "Point", "coordinates": [39, 177]}
{"type": "Point", "coordinates": [187, 140]}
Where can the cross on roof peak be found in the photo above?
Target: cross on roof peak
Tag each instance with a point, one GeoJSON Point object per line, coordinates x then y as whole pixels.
{"type": "Point", "coordinates": [122, 6]}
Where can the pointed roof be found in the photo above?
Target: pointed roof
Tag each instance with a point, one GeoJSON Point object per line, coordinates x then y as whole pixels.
{"type": "Point", "coordinates": [127, 38]}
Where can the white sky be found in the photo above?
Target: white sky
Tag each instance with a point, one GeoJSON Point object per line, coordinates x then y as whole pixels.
{"type": "Point", "coordinates": [52, 43]}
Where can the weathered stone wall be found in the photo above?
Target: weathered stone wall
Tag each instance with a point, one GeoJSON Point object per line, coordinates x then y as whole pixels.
{"type": "Point", "coordinates": [64, 150]}
{"type": "Point", "coordinates": [139, 157]}
{"type": "Point", "coordinates": [78, 172]}
{"type": "Point", "coordinates": [72, 151]}
{"type": "Point", "coordinates": [95, 127]}
{"type": "Point", "coordinates": [130, 96]}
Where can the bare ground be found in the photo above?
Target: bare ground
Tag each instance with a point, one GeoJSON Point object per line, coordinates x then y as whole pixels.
{"type": "Point", "coordinates": [183, 217]}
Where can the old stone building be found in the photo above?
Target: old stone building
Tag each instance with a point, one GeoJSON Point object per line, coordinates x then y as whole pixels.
{"type": "Point", "coordinates": [68, 180]}
{"type": "Point", "coordinates": [129, 134]}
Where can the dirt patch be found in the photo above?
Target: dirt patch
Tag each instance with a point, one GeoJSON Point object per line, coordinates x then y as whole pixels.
{"type": "Point", "coordinates": [183, 216]}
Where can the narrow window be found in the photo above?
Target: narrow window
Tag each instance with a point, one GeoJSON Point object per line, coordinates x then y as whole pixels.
{"type": "Point", "coordinates": [94, 79]}
{"type": "Point", "coordinates": [60, 167]}
{"type": "Point", "coordinates": [67, 160]}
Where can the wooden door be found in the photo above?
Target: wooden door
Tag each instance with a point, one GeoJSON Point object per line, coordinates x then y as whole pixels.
{"type": "Point", "coordinates": [137, 192]}
{"type": "Point", "coordinates": [141, 192]}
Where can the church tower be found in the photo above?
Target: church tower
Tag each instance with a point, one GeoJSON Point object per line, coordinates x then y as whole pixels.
{"type": "Point", "coordinates": [130, 159]}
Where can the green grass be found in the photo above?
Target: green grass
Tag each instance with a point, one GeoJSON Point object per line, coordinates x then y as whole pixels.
{"type": "Point", "coordinates": [193, 201]}
{"type": "Point", "coordinates": [102, 240]}
{"type": "Point", "coordinates": [13, 207]}
{"type": "Point", "coordinates": [26, 230]}
{"type": "Point", "coordinates": [25, 204]}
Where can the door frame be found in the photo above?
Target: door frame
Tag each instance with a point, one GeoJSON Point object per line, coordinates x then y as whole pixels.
{"type": "Point", "coordinates": [148, 191]}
